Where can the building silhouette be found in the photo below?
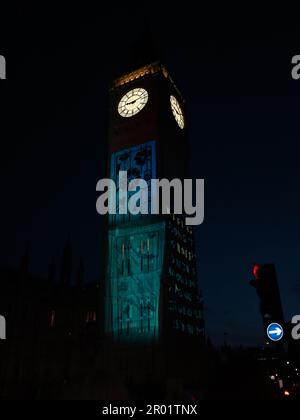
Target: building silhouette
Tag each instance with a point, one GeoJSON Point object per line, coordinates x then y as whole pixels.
{"type": "Point", "coordinates": [139, 330]}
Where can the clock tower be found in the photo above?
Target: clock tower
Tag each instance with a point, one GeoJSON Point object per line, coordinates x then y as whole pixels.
{"type": "Point", "coordinates": [151, 290]}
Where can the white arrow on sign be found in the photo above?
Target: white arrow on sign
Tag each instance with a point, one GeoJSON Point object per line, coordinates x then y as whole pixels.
{"type": "Point", "coordinates": [277, 331]}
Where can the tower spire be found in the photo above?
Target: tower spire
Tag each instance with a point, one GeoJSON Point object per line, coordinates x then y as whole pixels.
{"type": "Point", "coordinates": [145, 49]}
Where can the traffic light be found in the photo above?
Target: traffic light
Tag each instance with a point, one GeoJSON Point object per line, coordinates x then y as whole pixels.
{"type": "Point", "coordinates": [265, 283]}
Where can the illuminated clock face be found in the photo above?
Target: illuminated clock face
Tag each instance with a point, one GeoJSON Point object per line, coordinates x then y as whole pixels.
{"type": "Point", "coordinates": [133, 102]}
{"type": "Point", "coordinates": [177, 111]}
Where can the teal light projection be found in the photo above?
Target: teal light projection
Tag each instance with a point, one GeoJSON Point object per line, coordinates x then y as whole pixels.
{"type": "Point", "coordinates": [139, 162]}
{"type": "Point", "coordinates": [135, 266]}
{"type": "Point", "coordinates": [141, 251]}
{"type": "Point", "coordinates": [135, 257]}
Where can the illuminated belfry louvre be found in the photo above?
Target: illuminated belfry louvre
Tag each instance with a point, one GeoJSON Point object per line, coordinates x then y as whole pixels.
{"type": "Point", "coordinates": [151, 290]}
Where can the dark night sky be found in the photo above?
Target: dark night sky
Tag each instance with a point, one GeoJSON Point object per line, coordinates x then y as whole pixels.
{"type": "Point", "coordinates": [243, 114]}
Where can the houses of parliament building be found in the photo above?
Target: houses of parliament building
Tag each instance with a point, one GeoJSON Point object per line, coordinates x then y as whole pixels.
{"type": "Point", "coordinates": [139, 330]}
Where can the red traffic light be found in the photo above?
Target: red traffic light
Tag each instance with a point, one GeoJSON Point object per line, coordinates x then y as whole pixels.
{"type": "Point", "coordinates": [256, 271]}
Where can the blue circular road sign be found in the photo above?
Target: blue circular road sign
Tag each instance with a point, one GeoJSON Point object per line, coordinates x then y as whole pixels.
{"type": "Point", "coordinates": [275, 332]}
